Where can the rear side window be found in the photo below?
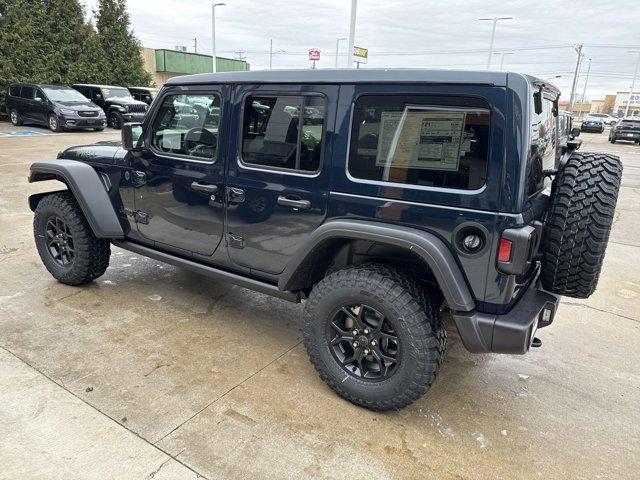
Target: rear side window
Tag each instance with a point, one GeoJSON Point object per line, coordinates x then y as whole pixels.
{"type": "Point", "coordinates": [283, 132]}
{"type": "Point", "coordinates": [418, 140]}
{"type": "Point", "coordinates": [543, 145]}
{"type": "Point", "coordinates": [27, 92]}
{"type": "Point", "coordinates": [14, 90]}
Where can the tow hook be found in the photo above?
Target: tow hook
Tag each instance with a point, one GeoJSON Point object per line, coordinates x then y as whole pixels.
{"type": "Point", "coordinates": [537, 343]}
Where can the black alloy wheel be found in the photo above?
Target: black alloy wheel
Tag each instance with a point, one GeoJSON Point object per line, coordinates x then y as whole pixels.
{"type": "Point", "coordinates": [364, 342]}
{"type": "Point", "coordinates": [59, 241]}
{"type": "Point", "coordinates": [115, 121]}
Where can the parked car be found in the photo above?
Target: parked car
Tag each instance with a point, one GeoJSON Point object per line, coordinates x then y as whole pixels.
{"type": "Point", "coordinates": [144, 94]}
{"type": "Point", "coordinates": [117, 103]}
{"type": "Point", "coordinates": [604, 117]}
{"type": "Point", "coordinates": [592, 124]}
{"type": "Point", "coordinates": [424, 193]}
{"type": "Point", "coordinates": [627, 129]}
{"type": "Point", "coordinates": [57, 106]}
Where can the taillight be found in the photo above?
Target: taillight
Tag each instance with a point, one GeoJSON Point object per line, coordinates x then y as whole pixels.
{"type": "Point", "coordinates": [504, 250]}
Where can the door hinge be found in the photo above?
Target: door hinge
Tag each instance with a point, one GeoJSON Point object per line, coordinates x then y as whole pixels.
{"type": "Point", "coordinates": [136, 177]}
{"type": "Point", "coordinates": [235, 241]}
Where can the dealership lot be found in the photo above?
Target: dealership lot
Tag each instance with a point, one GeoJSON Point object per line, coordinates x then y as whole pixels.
{"type": "Point", "coordinates": [155, 372]}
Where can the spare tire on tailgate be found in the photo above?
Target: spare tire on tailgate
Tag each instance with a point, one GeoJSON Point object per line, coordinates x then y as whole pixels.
{"type": "Point", "coordinates": [583, 201]}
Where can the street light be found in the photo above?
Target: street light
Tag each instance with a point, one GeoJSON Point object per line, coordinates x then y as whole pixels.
{"type": "Point", "coordinates": [272, 53]}
{"type": "Point", "coordinates": [633, 82]}
{"type": "Point", "coordinates": [338, 40]}
{"type": "Point", "coordinates": [493, 33]}
{"type": "Point", "coordinates": [502, 58]}
{"type": "Point", "coordinates": [213, 32]}
{"type": "Point", "coordinates": [352, 32]}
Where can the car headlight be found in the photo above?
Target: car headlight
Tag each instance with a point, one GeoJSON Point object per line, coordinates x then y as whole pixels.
{"type": "Point", "coordinates": [66, 111]}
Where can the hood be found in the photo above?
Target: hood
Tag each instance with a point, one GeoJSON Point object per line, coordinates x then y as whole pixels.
{"type": "Point", "coordinates": [124, 101]}
{"type": "Point", "coordinates": [107, 152]}
{"type": "Point", "coordinates": [78, 105]}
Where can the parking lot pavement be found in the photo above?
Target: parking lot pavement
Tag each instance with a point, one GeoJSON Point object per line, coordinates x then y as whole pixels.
{"type": "Point", "coordinates": [152, 371]}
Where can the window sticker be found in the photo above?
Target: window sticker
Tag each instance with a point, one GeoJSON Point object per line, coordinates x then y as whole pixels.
{"type": "Point", "coordinates": [421, 140]}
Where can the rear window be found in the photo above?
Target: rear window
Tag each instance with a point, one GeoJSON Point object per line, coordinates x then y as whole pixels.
{"type": "Point", "coordinates": [420, 140]}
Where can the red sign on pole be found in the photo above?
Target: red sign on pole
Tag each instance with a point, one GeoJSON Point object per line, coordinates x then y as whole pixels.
{"type": "Point", "coordinates": [314, 54]}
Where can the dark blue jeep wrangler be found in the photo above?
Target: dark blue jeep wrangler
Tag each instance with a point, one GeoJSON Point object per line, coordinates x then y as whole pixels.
{"type": "Point", "coordinates": [385, 199]}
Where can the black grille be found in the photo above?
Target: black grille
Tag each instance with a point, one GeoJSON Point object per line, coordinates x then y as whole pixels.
{"type": "Point", "coordinates": [137, 108]}
{"type": "Point", "coordinates": [88, 113]}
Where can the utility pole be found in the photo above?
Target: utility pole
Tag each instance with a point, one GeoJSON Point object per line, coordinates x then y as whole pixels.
{"type": "Point", "coordinates": [586, 80]}
{"type": "Point", "coordinates": [578, 49]}
{"type": "Point", "coordinates": [272, 53]}
{"type": "Point", "coordinates": [195, 45]}
{"type": "Point", "coordinates": [633, 82]}
{"type": "Point", "coordinates": [213, 33]}
{"type": "Point", "coordinates": [493, 34]}
{"type": "Point", "coordinates": [352, 32]}
{"type": "Point", "coordinates": [240, 54]}
{"type": "Point", "coordinates": [338, 40]}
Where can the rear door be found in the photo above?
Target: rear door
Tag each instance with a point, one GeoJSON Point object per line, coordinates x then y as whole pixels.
{"type": "Point", "coordinates": [27, 104]}
{"type": "Point", "coordinates": [277, 181]}
{"type": "Point", "coordinates": [179, 176]}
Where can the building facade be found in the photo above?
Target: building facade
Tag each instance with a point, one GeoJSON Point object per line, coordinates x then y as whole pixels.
{"type": "Point", "coordinates": [620, 105]}
{"type": "Point", "coordinates": [162, 64]}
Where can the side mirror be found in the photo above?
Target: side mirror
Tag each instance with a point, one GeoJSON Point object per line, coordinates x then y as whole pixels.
{"type": "Point", "coordinates": [131, 133]}
{"type": "Point", "coordinates": [575, 132]}
{"type": "Point", "coordinates": [98, 96]}
{"type": "Point", "coordinates": [148, 98]}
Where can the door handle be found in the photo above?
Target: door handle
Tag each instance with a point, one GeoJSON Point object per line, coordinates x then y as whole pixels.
{"type": "Point", "coordinates": [290, 202]}
{"type": "Point", "coordinates": [204, 187]}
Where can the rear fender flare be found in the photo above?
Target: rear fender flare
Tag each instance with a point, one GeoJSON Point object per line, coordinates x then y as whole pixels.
{"type": "Point", "coordinates": [426, 246]}
{"type": "Point", "coordinates": [85, 184]}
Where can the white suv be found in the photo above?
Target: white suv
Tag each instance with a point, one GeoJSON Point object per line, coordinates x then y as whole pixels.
{"type": "Point", "coordinates": [604, 118]}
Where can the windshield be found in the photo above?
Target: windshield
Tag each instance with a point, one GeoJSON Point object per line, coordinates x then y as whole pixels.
{"type": "Point", "coordinates": [64, 95]}
{"type": "Point", "coordinates": [116, 93]}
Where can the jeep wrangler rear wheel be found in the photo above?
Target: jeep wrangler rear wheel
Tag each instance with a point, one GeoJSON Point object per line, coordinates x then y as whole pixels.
{"type": "Point", "coordinates": [583, 201]}
{"type": "Point", "coordinates": [374, 335]}
{"type": "Point", "coordinates": [66, 244]}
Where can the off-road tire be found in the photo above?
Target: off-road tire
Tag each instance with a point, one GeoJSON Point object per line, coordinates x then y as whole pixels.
{"type": "Point", "coordinates": [415, 313]}
{"type": "Point", "coordinates": [583, 202]}
{"type": "Point", "coordinates": [115, 120]}
{"type": "Point", "coordinates": [91, 254]}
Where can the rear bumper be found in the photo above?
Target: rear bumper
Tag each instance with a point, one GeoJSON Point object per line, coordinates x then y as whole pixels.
{"type": "Point", "coordinates": [630, 136]}
{"type": "Point", "coordinates": [592, 128]}
{"type": "Point", "coordinates": [512, 332]}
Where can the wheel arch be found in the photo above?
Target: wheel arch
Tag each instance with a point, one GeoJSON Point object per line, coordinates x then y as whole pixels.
{"type": "Point", "coordinates": [309, 263]}
{"type": "Point", "coordinates": [87, 188]}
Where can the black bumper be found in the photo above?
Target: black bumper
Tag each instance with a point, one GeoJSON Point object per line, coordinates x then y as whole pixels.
{"type": "Point", "coordinates": [512, 332]}
{"type": "Point", "coordinates": [71, 123]}
{"type": "Point", "coordinates": [592, 128]}
{"type": "Point", "coordinates": [629, 136]}
{"type": "Point", "coordinates": [133, 117]}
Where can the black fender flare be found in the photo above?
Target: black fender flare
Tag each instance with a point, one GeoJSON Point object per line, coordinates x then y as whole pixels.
{"type": "Point", "coordinates": [85, 184]}
{"type": "Point", "coordinates": [427, 246]}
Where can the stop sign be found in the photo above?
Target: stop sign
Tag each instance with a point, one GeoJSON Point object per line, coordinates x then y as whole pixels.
{"type": "Point", "coordinates": [314, 54]}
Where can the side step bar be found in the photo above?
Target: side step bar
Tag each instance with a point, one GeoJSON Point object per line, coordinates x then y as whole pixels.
{"type": "Point", "coordinates": [209, 271]}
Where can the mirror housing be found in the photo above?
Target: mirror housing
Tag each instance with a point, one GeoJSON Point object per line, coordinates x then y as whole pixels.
{"type": "Point", "coordinates": [575, 132]}
{"type": "Point", "coordinates": [131, 135]}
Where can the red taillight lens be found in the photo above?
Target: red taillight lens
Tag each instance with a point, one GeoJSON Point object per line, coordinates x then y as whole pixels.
{"type": "Point", "coordinates": [504, 250]}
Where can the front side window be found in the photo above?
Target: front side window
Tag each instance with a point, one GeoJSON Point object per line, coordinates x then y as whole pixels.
{"type": "Point", "coordinates": [187, 125]}
{"type": "Point", "coordinates": [283, 131]}
{"type": "Point", "coordinates": [418, 140]}
{"type": "Point", "coordinates": [14, 90]}
{"type": "Point", "coordinates": [28, 92]}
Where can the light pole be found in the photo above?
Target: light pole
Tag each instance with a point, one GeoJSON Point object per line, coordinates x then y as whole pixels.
{"type": "Point", "coordinates": [493, 34]}
{"type": "Point", "coordinates": [586, 80]}
{"type": "Point", "coordinates": [352, 32]}
{"type": "Point", "coordinates": [272, 53]}
{"type": "Point", "coordinates": [578, 49]}
{"type": "Point", "coordinates": [502, 57]}
{"type": "Point", "coordinates": [633, 82]}
{"type": "Point", "coordinates": [338, 40]}
{"type": "Point", "coordinates": [213, 33]}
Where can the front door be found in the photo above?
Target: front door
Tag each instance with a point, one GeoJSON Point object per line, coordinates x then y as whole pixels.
{"type": "Point", "coordinates": [179, 176]}
{"type": "Point", "coordinates": [277, 186]}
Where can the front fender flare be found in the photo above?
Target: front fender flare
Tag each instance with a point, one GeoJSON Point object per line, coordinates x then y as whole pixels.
{"type": "Point", "coordinates": [87, 188]}
{"type": "Point", "coordinates": [428, 247]}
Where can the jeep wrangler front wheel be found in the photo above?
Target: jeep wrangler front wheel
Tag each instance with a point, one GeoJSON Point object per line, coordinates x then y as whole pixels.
{"type": "Point", "coordinates": [374, 335]}
{"type": "Point", "coordinates": [66, 244]}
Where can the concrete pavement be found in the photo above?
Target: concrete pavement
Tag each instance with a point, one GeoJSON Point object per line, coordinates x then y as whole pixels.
{"type": "Point", "coordinates": [154, 372]}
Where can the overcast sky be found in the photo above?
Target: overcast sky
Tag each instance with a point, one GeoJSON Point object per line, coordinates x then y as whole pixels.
{"type": "Point", "coordinates": [411, 33]}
